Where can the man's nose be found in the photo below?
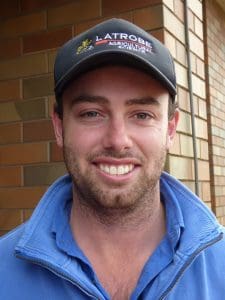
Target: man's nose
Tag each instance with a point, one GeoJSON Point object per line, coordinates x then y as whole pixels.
{"type": "Point", "coordinates": [117, 136]}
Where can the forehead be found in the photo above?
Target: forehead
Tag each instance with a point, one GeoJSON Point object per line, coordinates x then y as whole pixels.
{"type": "Point", "coordinates": [123, 81]}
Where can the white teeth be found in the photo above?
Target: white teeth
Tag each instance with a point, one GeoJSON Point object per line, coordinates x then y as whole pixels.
{"type": "Point", "coordinates": [116, 170]}
{"type": "Point", "coordinates": [121, 170]}
{"type": "Point", "coordinates": [113, 170]}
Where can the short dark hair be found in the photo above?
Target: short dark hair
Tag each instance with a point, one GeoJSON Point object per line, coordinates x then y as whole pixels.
{"type": "Point", "coordinates": [58, 107]}
{"type": "Point", "coordinates": [172, 106]}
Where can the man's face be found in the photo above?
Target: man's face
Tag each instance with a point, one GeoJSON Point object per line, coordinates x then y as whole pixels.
{"type": "Point", "coordinates": [115, 135]}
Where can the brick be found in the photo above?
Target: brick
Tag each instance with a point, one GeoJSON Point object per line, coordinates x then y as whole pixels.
{"type": "Point", "coordinates": [43, 175]}
{"type": "Point", "coordinates": [73, 12]}
{"type": "Point", "coordinates": [32, 109]}
{"type": "Point", "coordinates": [173, 24]}
{"type": "Point", "coordinates": [23, 153]}
{"type": "Point", "coordinates": [203, 170]}
{"type": "Point", "coordinates": [8, 112]}
{"type": "Point", "coordinates": [200, 67]}
{"type": "Point", "coordinates": [181, 53]}
{"type": "Point", "coordinates": [219, 191]}
{"type": "Point", "coordinates": [51, 60]}
{"type": "Point", "coordinates": [3, 232]}
{"type": "Point", "coordinates": [191, 21]}
{"type": "Point", "coordinates": [196, 45]}
{"type": "Point", "coordinates": [176, 145]}
{"type": "Point", "coordinates": [202, 109]}
{"type": "Point", "coordinates": [10, 176]}
{"type": "Point", "coordinates": [85, 25]}
{"type": "Point", "coordinates": [201, 128]}
{"type": "Point", "coordinates": [24, 110]}
{"type": "Point", "coordinates": [9, 8]}
{"type": "Point", "coordinates": [23, 25]}
{"type": "Point", "coordinates": [220, 200]}
{"type": "Point", "coordinates": [220, 211]}
{"type": "Point", "coordinates": [196, 7]}
{"type": "Point", "coordinates": [198, 28]}
{"type": "Point", "coordinates": [9, 218]}
{"type": "Point", "coordinates": [195, 104]}
{"type": "Point", "coordinates": [27, 214]}
{"type": "Point", "coordinates": [38, 86]}
{"type": "Point", "coordinates": [193, 63]}
{"type": "Point", "coordinates": [186, 144]}
{"type": "Point", "coordinates": [182, 168]}
{"type": "Point", "coordinates": [23, 66]}
{"type": "Point", "coordinates": [184, 124]}
{"type": "Point", "coordinates": [10, 48]}
{"type": "Point", "coordinates": [181, 75]}
{"type": "Point", "coordinates": [46, 40]}
{"type": "Point", "coordinates": [51, 102]}
{"type": "Point", "coordinates": [158, 34]}
{"type": "Point", "coordinates": [111, 7]}
{"type": "Point", "coordinates": [10, 133]}
{"type": "Point", "coordinates": [183, 99]}
{"type": "Point", "coordinates": [149, 18]}
{"type": "Point", "coordinates": [204, 150]}
{"type": "Point", "coordinates": [170, 43]}
{"type": "Point", "coordinates": [206, 193]}
{"type": "Point", "coordinates": [56, 153]}
{"type": "Point", "coordinates": [199, 86]}
{"type": "Point", "coordinates": [169, 4]}
{"type": "Point", "coordinates": [179, 9]}
{"type": "Point", "coordinates": [10, 90]}
{"type": "Point", "coordinates": [218, 180]}
{"type": "Point", "coordinates": [38, 131]}
{"type": "Point", "coordinates": [30, 5]}
{"type": "Point", "coordinates": [22, 197]}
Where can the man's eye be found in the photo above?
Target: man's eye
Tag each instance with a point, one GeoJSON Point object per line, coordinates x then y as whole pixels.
{"type": "Point", "coordinates": [143, 116]}
{"type": "Point", "coordinates": [90, 114]}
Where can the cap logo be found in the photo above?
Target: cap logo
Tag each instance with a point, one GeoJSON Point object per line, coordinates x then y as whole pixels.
{"type": "Point", "coordinates": [85, 45]}
{"type": "Point", "coordinates": [119, 40]}
{"type": "Point", "coordinates": [125, 41]}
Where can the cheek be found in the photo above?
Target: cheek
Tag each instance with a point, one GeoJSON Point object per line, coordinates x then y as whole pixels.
{"type": "Point", "coordinates": [82, 140]}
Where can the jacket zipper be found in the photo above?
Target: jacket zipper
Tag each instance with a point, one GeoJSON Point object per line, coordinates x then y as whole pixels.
{"type": "Point", "coordinates": [182, 270]}
{"type": "Point", "coordinates": [60, 274]}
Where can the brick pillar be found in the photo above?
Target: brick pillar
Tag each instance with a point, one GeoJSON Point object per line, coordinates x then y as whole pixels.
{"type": "Point", "coordinates": [180, 162]}
{"type": "Point", "coordinates": [215, 70]}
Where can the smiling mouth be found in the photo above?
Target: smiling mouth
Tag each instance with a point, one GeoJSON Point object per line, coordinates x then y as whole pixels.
{"type": "Point", "coordinates": [116, 169]}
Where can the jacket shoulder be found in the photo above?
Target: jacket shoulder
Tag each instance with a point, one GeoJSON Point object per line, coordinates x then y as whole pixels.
{"type": "Point", "coordinates": [9, 241]}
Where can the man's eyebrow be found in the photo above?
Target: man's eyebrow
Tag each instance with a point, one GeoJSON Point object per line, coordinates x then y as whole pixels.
{"type": "Point", "coordinates": [143, 101]}
{"type": "Point", "coordinates": [90, 99]}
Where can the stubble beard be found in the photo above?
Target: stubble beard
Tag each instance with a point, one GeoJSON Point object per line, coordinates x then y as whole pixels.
{"type": "Point", "coordinates": [110, 205]}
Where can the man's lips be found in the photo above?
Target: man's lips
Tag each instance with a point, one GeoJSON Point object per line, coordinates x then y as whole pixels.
{"type": "Point", "coordinates": [116, 167]}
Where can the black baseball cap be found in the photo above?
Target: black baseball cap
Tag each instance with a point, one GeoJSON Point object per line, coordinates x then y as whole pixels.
{"type": "Point", "coordinates": [114, 41]}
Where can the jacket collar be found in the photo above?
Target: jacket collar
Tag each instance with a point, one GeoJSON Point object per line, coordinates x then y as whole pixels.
{"type": "Point", "coordinates": [194, 227]}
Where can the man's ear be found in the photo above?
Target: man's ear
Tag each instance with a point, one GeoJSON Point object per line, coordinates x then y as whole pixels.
{"type": "Point", "coordinates": [172, 126]}
{"type": "Point", "coordinates": [58, 128]}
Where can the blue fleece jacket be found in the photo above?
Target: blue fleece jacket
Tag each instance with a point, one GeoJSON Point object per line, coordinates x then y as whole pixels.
{"type": "Point", "coordinates": [40, 259]}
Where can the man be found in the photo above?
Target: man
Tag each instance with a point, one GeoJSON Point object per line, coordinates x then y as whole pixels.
{"type": "Point", "coordinates": [117, 227]}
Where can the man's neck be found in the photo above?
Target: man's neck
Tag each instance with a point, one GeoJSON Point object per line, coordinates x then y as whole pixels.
{"type": "Point", "coordinates": [143, 228]}
{"type": "Point", "coordinates": [124, 247]}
